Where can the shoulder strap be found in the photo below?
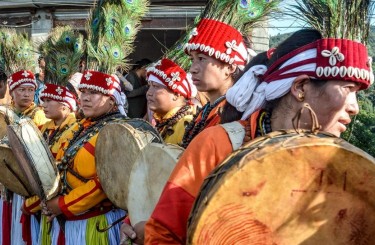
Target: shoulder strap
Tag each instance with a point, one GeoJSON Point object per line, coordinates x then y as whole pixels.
{"type": "Point", "coordinates": [236, 133]}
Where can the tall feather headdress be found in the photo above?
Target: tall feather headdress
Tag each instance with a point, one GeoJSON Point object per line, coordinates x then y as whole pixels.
{"type": "Point", "coordinates": [347, 19]}
{"type": "Point", "coordinates": [62, 52]}
{"type": "Point", "coordinates": [18, 58]}
{"type": "Point", "coordinates": [223, 25]}
{"type": "Point", "coordinates": [112, 28]}
{"type": "Point", "coordinates": [17, 51]}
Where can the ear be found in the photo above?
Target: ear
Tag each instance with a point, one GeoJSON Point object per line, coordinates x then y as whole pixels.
{"type": "Point", "coordinates": [230, 69]}
{"type": "Point", "coordinates": [298, 88]}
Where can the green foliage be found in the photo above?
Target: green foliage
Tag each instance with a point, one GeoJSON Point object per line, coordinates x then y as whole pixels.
{"type": "Point", "coordinates": [62, 52]}
{"type": "Point", "coordinates": [361, 132]}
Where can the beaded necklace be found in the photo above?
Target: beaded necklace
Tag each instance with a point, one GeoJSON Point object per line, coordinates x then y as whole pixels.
{"type": "Point", "coordinates": [51, 139]}
{"type": "Point", "coordinates": [194, 128]}
{"type": "Point", "coordinates": [81, 137]}
{"type": "Point", "coordinates": [166, 126]}
{"type": "Point", "coordinates": [263, 126]}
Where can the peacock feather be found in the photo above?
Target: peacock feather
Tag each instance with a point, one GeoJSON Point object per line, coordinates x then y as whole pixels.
{"type": "Point", "coordinates": [176, 53]}
{"type": "Point", "coordinates": [348, 19]}
{"type": "Point", "coordinates": [62, 52]}
{"type": "Point", "coordinates": [112, 28]}
{"type": "Point", "coordinates": [17, 51]}
{"type": "Point", "coordinates": [243, 15]}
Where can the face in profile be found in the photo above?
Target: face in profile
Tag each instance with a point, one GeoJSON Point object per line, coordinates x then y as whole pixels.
{"type": "Point", "coordinates": [335, 103]}
{"type": "Point", "coordinates": [94, 103]}
{"type": "Point", "coordinates": [23, 96]}
{"type": "Point", "coordinates": [209, 74]}
{"type": "Point", "coordinates": [54, 110]}
{"type": "Point", "coordinates": [159, 98]}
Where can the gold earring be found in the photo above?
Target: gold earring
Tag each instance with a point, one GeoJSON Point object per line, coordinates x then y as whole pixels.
{"type": "Point", "coordinates": [301, 96]}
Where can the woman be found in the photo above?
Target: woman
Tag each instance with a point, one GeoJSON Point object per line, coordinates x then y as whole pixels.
{"type": "Point", "coordinates": [82, 201]}
{"type": "Point", "coordinates": [292, 76]}
{"type": "Point", "coordinates": [169, 97]}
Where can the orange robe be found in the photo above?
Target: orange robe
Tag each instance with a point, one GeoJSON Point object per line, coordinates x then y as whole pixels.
{"type": "Point", "coordinates": [168, 222]}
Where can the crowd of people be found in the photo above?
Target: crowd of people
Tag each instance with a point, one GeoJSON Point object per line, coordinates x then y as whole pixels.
{"type": "Point", "coordinates": [247, 97]}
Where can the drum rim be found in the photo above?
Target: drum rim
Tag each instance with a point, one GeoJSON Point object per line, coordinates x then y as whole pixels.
{"type": "Point", "coordinates": [217, 176]}
{"type": "Point", "coordinates": [41, 192]}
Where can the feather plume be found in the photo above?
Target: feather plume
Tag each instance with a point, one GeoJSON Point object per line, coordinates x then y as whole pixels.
{"type": "Point", "coordinates": [243, 15]}
{"type": "Point", "coordinates": [348, 19]}
{"type": "Point", "coordinates": [112, 28]}
{"type": "Point", "coordinates": [62, 52]}
{"type": "Point", "coordinates": [176, 53]}
{"type": "Point", "coordinates": [17, 51]}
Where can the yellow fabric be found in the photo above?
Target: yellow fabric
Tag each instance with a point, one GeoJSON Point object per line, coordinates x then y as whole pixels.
{"type": "Point", "coordinates": [51, 127]}
{"type": "Point", "coordinates": [92, 235]}
{"type": "Point", "coordinates": [36, 113]}
{"type": "Point", "coordinates": [84, 195]}
{"type": "Point", "coordinates": [45, 236]}
{"type": "Point", "coordinates": [31, 201]}
{"type": "Point", "coordinates": [178, 128]}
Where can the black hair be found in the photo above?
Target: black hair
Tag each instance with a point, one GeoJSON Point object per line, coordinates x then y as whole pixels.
{"type": "Point", "coordinates": [141, 63]}
{"type": "Point", "coordinates": [3, 77]}
{"type": "Point", "coordinates": [295, 41]}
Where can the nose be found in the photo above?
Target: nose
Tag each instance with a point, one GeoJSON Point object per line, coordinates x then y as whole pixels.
{"type": "Point", "coordinates": [193, 68]}
{"type": "Point", "coordinates": [352, 106]}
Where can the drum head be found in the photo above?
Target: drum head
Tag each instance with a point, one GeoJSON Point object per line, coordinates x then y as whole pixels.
{"type": "Point", "coordinates": [148, 177]}
{"type": "Point", "coordinates": [118, 146]}
{"type": "Point", "coordinates": [11, 176]}
{"type": "Point", "coordinates": [33, 156]}
{"type": "Point", "coordinates": [300, 190]}
{"type": "Point", "coordinates": [6, 117]}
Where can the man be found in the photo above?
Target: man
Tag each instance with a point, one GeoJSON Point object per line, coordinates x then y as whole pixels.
{"type": "Point", "coordinates": [137, 97]}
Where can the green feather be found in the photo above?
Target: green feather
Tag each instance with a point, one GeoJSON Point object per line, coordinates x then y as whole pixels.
{"type": "Point", "coordinates": [243, 15]}
{"type": "Point", "coordinates": [348, 19]}
{"type": "Point", "coordinates": [112, 28]}
{"type": "Point", "coordinates": [17, 51]}
{"type": "Point", "coordinates": [62, 52]}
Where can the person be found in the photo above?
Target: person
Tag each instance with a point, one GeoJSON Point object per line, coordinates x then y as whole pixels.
{"type": "Point", "coordinates": [40, 77]}
{"type": "Point", "coordinates": [217, 60]}
{"type": "Point", "coordinates": [137, 96]}
{"type": "Point", "coordinates": [81, 200]}
{"type": "Point", "coordinates": [305, 68]}
{"type": "Point", "coordinates": [170, 96]}
{"type": "Point", "coordinates": [59, 105]}
{"type": "Point", "coordinates": [3, 85]}
{"type": "Point", "coordinates": [213, 69]}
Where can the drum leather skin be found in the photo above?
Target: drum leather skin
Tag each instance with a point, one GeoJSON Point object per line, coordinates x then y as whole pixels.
{"type": "Point", "coordinates": [148, 178]}
{"type": "Point", "coordinates": [288, 188]}
{"type": "Point", "coordinates": [11, 175]}
{"type": "Point", "coordinates": [34, 157]}
{"type": "Point", "coordinates": [117, 148]}
{"type": "Point", "coordinates": [7, 116]}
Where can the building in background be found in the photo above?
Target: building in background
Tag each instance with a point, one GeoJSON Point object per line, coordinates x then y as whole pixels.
{"type": "Point", "coordinates": [161, 27]}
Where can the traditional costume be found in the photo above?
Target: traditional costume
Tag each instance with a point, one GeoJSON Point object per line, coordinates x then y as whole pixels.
{"type": "Point", "coordinates": [220, 35]}
{"type": "Point", "coordinates": [171, 126]}
{"type": "Point", "coordinates": [324, 59]}
{"type": "Point", "coordinates": [82, 201]}
{"type": "Point", "coordinates": [18, 55]}
{"type": "Point", "coordinates": [62, 42]}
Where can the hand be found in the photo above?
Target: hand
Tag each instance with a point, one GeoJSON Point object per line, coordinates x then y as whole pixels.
{"type": "Point", "coordinates": [45, 211]}
{"type": "Point", "coordinates": [135, 234]}
{"type": "Point", "coordinates": [53, 206]}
